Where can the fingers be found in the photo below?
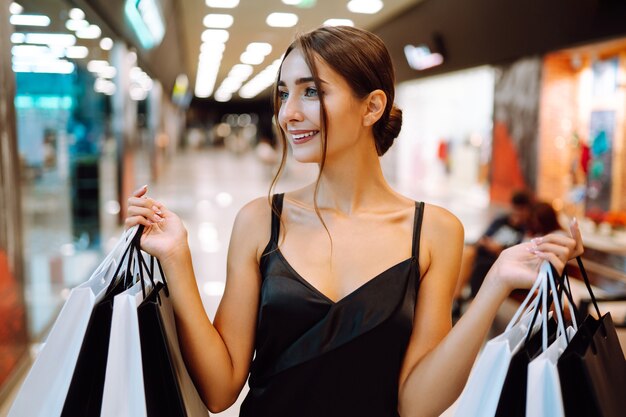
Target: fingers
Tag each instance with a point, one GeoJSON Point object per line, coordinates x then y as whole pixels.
{"type": "Point", "coordinates": [140, 191]}
{"type": "Point", "coordinates": [577, 236]}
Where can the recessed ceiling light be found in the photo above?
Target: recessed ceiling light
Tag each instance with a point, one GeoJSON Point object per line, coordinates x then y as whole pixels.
{"type": "Point", "coordinates": [56, 39]}
{"type": "Point", "coordinates": [77, 52]}
{"type": "Point", "coordinates": [29, 20]}
{"type": "Point", "coordinates": [106, 44]}
{"type": "Point", "coordinates": [215, 36]}
{"type": "Point", "coordinates": [259, 48]}
{"type": "Point", "coordinates": [217, 20]}
{"type": "Point", "coordinates": [282, 20]}
{"type": "Point", "coordinates": [15, 8]}
{"type": "Point", "coordinates": [251, 58]}
{"type": "Point", "coordinates": [222, 4]}
{"type": "Point", "coordinates": [75, 25]}
{"type": "Point", "coordinates": [90, 32]}
{"type": "Point", "coordinates": [18, 37]}
{"type": "Point", "coordinates": [76, 14]}
{"type": "Point", "coordinates": [365, 6]}
{"type": "Point", "coordinates": [339, 22]}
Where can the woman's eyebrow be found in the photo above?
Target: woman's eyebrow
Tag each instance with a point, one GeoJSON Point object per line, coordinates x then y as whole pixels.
{"type": "Point", "coordinates": [302, 80]}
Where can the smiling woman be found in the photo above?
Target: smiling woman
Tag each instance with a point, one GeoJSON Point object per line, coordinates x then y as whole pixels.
{"type": "Point", "coordinates": [338, 295]}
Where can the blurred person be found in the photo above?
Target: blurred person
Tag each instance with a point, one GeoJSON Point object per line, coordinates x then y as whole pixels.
{"type": "Point", "coordinates": [338, 294]}
{"type": "Point", "coordinates": [543, 220]}
{"type": "Point", "coordinates": [504, 232]}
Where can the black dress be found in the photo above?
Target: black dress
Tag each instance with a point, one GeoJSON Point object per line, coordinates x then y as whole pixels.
{"type": "Point", "coordinates": [317, 357]}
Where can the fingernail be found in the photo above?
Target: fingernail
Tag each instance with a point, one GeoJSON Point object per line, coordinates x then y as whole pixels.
{"type": "Point", "coordinates": [157, 218]}
{"type": "Point", "coordinates": [144, 186]}
{"type": "Point", "coordinates": [156, 209]}
{"type": "Point", "coordinates": [574, 220]}
{"type": "Point", "coordinates": [536, 241]}
{"type": "Point", "coordinates": [150, 223]}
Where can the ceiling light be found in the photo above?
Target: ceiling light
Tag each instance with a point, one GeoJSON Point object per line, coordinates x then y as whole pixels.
{"type": "Point", "coordinates": [56, 39]}
{"type": "Point", "coordinates": [216, 20]}
{"type": "Point", "coordinates": [251, 59]}
{"type": "Point", "coordinates": [90, 32]}
{"type": "Point", "coordinates": [206, 77]}
{"type": "Point", "coordinates": [106, 44]}
{"type": "Point", "coordinates": [15, 8]}
{"type": "Point", "coordinates": [77, 52]}
{"type": "Point", "coordinates": [107, 72]}
{"type": "Point", "coordinates": [259, 48]}
{"type": "Point", "coordinates": [365, 6]}
{"type": "Point", "coordinates": [212, 48]}
{"type": "Point", "coordinates": [48, 67]}
{"type": "Point", "coordinates": [104, 86]}
{"type": "Point", "coordinates": [339, 22]}
{"type": "Point", "coordinates": [75, 25]}
{"type": "Point", "coordinates": [222, 4]}
{"type": "Point", "coordinates": [241, 71]}
{"type": "Point", "coordinates": [223, 96]}
{"type": "Point", "coordinates": [96, 65]}
{"type": "Point", "coordinates": [29, 50]}
{"type": "Point", "coordinates": [76, 14]}
{"type": "Point", "coordinates": [261, 81]}
{"type": "Point", "coordinates": [300, 3]}
{"type": "Point", "coordinates": [215, 36]}
{"type": "Point", "coordinates": [17, 37]}
{"type": "Point", "coordinates": [29, 20]}
{"type": "Point", "coordinates": [282, 20]}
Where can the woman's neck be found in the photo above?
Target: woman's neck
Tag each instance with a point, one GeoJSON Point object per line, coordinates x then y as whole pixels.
{"type": "Point", "coordinates": [352, 182]}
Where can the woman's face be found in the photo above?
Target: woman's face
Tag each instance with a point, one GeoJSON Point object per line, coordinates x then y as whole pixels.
{"type": "Point", "coordinates": [299, 113]}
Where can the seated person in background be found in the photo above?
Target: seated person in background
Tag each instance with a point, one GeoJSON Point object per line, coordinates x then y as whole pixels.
{"type": "Point", "coordinates": [543, 221]}
{"type": "Point", "coordinates": [505, 231]}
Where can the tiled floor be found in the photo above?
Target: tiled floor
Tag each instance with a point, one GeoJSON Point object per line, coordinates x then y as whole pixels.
{"type": "Point", "coordinates": [207, 187]}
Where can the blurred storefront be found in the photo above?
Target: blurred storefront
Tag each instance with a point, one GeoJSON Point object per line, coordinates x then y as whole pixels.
{"type": "Point", "coordinates": [582, 136]}
{"type": "Point", "coordinates": [81, 123]}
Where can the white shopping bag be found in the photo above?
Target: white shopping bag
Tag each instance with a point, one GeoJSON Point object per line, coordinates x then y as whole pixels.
{"type": "Point", "coordinates": [43, 392]}
{"type": "Point", "coordinates": [543, 388]}
{"type": "Point", "coordinates": [482, 391]}
{"type": "Point", "coordinates": [124, 394]}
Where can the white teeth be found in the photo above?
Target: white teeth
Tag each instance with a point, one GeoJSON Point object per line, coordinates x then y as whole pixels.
{"type": "Point", "coordinates": [304, 135]}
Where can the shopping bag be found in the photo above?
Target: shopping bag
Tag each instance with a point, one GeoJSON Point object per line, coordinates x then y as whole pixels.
{"type": "Point", "coordinates": [84, 396]}
{"type": "Point", "coordinates": [592, 370]}
{"type": "Point", "coordinates": [512, 401]}
{"type": "Point", "coordinates": [123, 391]}
{"type": "Point", "coordinates": [482, 390]}
{"type": "Point", "coordinates": [45, 388]}
{"type": "Point", "coordinates": [170, 392]}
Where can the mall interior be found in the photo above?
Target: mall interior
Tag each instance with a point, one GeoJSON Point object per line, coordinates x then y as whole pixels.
{"type": "Point", "coordinates": [99, 97]}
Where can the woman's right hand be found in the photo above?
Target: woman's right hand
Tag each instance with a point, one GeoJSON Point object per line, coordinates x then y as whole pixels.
{"type": "Point", "coordinates": [164, 234]}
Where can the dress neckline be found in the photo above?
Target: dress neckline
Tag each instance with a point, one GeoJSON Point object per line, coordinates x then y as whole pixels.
{"type": "Point", "coordinates": [346, 297]}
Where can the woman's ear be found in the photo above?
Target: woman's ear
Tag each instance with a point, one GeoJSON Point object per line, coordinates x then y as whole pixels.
{"type": "Point", "coordinates": [375, 106]}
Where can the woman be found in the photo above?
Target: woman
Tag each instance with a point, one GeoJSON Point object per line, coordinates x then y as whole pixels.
{"type": "Point", "coordinates": [363, 327]}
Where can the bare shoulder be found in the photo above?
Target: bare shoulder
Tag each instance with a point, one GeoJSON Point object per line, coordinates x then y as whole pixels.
{"type": "Point", "coordinates": [252, 227]}
{"type": "Point", "coordinates": [442, 234]}
{"type": "Point", "coordinates": [439, 221]}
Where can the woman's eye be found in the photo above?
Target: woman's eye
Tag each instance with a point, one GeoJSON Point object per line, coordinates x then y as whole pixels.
{"type": "Point", "coordinates": [282, 95]}
{"type": "Point", "coordinates": [310, 92]}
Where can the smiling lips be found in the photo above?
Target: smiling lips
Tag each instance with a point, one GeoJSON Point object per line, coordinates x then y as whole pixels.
{"type": "Point", "coordinates": [302, 136]}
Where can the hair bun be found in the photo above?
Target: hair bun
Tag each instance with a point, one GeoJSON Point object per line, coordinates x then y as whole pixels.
{"type": "Point", "coordinates": [386, 131]}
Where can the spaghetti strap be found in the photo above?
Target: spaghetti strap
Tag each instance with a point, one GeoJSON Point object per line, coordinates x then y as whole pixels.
{"type": "Point", "coordinates": [277, 208]}
{"type": "Point", "coordinates": [417, 228]}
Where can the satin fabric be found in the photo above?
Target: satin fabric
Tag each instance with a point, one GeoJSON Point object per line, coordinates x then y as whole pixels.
{"type": "Point", "coordinates": [317, 357]}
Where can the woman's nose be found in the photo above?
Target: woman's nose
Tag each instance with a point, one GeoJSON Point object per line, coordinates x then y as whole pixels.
{"type": "Point", "coordinates": [290, 110]}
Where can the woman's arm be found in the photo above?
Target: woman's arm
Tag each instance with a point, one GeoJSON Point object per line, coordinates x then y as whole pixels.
{"type": "Point", "coordinates": [439, 358]}
{"type": "Point", "coordinates": [217, 355]}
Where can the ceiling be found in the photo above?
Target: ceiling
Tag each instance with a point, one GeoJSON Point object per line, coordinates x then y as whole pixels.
{"type": "Point", "coordinates": [250, 26]}
{"type": "Point", "coordinates": [179, 51]}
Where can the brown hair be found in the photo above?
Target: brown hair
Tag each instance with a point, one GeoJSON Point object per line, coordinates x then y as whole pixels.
{"type": "Point", "coordinates": [363, 60]}
{"type": "Point", "coordinates": [544, 219]}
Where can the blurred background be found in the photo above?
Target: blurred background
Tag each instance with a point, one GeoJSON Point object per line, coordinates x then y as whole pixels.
{"type": "Point", "coordinates": [100, 97]}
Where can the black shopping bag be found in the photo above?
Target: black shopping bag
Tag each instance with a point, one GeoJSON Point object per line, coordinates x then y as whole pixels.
{"type": "Point", "coordinates": [592, 369]}
{"type": "Point", "coordinates": [84, 397]}
{"type": "Point", "coordinates": [169, 390]}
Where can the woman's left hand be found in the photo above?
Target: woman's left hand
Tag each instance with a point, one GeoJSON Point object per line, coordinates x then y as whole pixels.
{"type": "Point", "coordinates": [517, 266]}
